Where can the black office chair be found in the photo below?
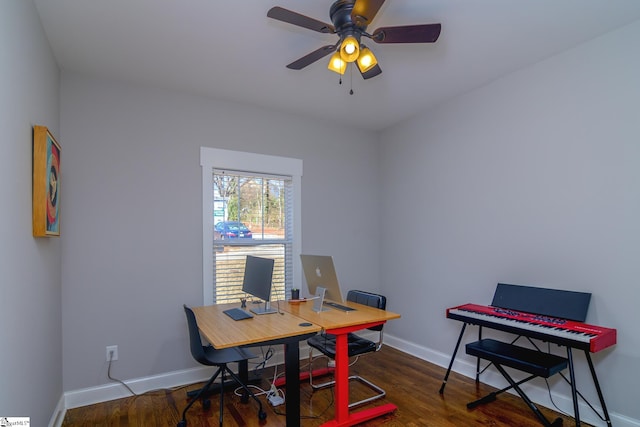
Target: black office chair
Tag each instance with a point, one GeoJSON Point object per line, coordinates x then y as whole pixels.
{"type": "Point", "coordinates": [213, 357]}
{"type": "Point", "coordinates": [326, 344]}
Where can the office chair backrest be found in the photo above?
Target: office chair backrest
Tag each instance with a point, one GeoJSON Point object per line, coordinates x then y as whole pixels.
{"type": "Point", "coordinates": [370, 299]}
{"type": "Point", "coordinates": [197, 351]}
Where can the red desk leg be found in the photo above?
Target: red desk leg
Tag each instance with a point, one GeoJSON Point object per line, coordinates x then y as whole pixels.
{"type": "Point", "coordinates": [342, 379]}
{"type": "Point", "coordinates": [342, 415]}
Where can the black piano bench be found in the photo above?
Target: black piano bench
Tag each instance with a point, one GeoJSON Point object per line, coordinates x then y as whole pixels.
{"type": "Point", "coordinates": [535, 363]}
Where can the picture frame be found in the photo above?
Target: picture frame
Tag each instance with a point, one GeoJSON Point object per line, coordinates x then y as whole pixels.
{"type": "Point", "coordinates": [46, 183]}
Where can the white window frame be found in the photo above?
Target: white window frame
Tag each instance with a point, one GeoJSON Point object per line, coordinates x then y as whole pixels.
{"type": "Point", "coordinates": [215, 158]}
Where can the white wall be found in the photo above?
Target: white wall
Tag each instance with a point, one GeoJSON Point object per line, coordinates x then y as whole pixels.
{"type": "Point", "coordinates": [533, 179]}
{"type": "Point", "coordinates": [30, 287]}
{"type": "Point", "coordinates": [132, 251]}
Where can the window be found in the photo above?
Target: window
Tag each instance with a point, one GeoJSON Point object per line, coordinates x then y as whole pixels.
{"type": "Point", "coordinates": [251, 206]}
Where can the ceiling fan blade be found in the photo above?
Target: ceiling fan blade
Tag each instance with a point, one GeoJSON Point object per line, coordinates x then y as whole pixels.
{"type": "Point", "coordinates": [295, 18]}
{"type": "Point", "coordinates": [427, 33]}
{"type": "Point", "coordinates": [365, 10]}
{"type": "Point", "coordinates": [312, 57]}
{"type": "Point", "coordinates": [372, 72]}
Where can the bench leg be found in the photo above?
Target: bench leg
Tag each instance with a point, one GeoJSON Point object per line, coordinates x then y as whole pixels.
{"type": "Point", "coordinates": [530, 404]}
{"type": "Point", "coordinates": [492, 396]}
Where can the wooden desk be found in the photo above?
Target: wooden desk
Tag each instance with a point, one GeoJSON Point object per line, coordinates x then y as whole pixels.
{"type": "Point", "coordinates": [340, 323]}
{"type": "Point", "coordinates": [268, 329]}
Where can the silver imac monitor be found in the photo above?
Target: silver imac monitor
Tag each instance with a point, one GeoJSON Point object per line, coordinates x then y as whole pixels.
{"type": "Point", "coordinates": [319, 271]}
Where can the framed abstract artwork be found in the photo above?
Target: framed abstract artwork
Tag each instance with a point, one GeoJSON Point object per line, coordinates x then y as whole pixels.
{"type": "Point", "coordinates": [46, 183]}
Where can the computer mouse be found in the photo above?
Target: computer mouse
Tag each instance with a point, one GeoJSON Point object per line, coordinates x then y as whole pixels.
{"type": "Point", "coordinates": [306, 324]}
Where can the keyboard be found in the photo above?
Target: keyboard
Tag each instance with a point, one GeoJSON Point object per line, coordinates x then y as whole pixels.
{"type": "Point", "coordinates": [238, 314]}
{"type": "Point", "coordinates": [560, 331]}
{"type": "Point", "coordinates": [338, 306]}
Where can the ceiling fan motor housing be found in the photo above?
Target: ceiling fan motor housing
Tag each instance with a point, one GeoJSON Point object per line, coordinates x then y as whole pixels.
{"type": "Point", "coordinates": [340, 14]}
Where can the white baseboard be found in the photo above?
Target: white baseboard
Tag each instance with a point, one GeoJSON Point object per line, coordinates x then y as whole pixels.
{"type": "Point", "coordinates": [58, 414]}
{"type": "Point", "coordinates": [111, 391]}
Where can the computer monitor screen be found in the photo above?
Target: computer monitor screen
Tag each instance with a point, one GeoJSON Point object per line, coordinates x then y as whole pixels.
{"type": "Point", "coordinates": [258, 273]}
{"type": "Point", "coordinates": [319, 271]}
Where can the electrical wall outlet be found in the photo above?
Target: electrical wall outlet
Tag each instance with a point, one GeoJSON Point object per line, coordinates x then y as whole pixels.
{"type": "Point", "coordinates": [112, 353]}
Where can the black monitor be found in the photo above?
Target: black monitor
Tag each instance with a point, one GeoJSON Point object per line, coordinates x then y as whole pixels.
{"type": "Point", "coordinates": [258, 273]}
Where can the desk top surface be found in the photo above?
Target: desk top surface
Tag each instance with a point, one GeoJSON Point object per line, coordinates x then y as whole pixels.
{"type": "Point", "coordinates": [223, 332]}
{"type": "Point", "coordinates": [334, 318]}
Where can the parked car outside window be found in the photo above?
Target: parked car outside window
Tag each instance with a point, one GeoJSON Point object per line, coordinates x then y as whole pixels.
{"type": "Point", "coordinates": [232, 230]}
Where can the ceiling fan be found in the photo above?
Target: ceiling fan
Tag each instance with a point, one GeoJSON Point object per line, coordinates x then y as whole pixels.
{"type": "Point", "coordinates": [350, 19]}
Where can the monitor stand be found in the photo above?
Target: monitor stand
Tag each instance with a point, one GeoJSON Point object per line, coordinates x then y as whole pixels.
{"type": "Point", "coordinates": [319, 300]}
{"type": "Point", "coordinates": [264, 310]}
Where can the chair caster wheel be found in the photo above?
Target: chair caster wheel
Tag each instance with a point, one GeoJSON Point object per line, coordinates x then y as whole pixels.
{"type": "Point", "coordinates": [262, 415]}
{"type": "Point", "coordinates": [182, 423]}
{"type": "Point", "coordinates": [206, 404]}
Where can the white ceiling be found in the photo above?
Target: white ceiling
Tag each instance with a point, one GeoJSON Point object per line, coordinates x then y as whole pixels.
{"type": "Point", "coordinates": [231, 50]}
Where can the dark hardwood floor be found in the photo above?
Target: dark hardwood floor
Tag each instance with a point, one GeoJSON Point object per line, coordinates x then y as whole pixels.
{"type": "Point", "coordinates": [411, 383]}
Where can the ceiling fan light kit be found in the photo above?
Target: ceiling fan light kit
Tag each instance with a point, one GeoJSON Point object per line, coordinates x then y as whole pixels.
{"type": "Point", "coordinates": [349, 49]}
{"type": "Point", "coordinates": [366, 60]}
{"type": "Point", "coordinates": [337, 64]}
{"type": "Point", "coordinates": [350, 19]}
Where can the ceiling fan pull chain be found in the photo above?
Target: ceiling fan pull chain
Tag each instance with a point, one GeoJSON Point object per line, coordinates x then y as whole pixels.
{"type": "Point", "coordinates": [351, 80]}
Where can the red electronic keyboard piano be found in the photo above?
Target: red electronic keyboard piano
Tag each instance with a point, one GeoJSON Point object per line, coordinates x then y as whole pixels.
{"type": "Point", "coordinates": [559, 331]}
{"type": "Point", "coordinates": [550, 315]}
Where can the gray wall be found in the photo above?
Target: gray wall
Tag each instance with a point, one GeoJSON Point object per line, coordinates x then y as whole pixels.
{"type": "Point", "coordinates": [30, 283]}
{"type": "Point", "coordinates": [132, 247]}
{"type": "Point", "coordinates": [533, 179]}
